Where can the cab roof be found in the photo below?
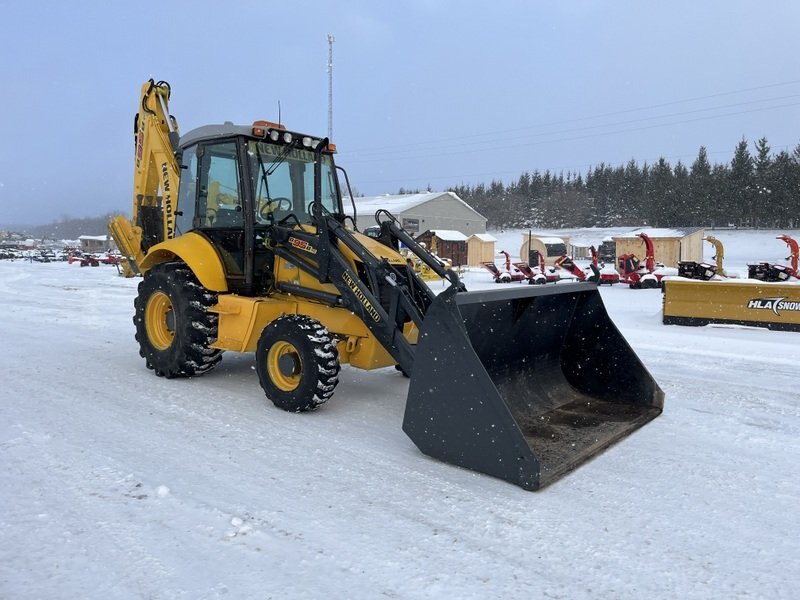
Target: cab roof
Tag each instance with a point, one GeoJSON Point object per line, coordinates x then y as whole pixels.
{"type": "Point", "coordinates": [210, 132]}
{"type": "Point", "coordinates": [227, 129]}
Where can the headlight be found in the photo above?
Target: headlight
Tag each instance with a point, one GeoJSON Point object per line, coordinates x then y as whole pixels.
{"type": "Point", "coordinates": [274, 134]}
{"type": "Point", "coordinates": [287, 137]}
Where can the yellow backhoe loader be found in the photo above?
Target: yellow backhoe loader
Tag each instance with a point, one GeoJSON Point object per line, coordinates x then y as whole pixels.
{"type": "Point", "coordinates": [244, 246]}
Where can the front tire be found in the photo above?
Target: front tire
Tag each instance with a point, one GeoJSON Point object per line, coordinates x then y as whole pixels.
{"type": "Point", "coordinates": [174, 327]}
{"type": "Point", "coordinates": [297, 363]}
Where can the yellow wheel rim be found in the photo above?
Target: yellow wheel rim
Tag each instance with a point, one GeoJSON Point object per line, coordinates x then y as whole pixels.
{"type": "Point", "coordinates": [284, 366]}
{"type": "Point", "coordinates": [158, 319]}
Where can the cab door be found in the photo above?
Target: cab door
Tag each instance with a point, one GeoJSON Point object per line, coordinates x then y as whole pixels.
{"type": "Point", "coordinates": [220, 214]}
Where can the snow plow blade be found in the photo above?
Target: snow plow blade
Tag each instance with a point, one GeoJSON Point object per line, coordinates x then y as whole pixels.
{"type": "Point", "coordinates": [525, 384]}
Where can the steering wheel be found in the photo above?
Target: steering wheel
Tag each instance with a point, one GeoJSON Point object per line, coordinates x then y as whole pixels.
{"type": "Point", "coordinates": [273, 204]}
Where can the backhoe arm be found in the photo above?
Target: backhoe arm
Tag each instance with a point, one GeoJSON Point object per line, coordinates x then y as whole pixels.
{"type": "Point", "coordinates": [391, 229]}
{"type": "Point", "coordinates": [155, 180]}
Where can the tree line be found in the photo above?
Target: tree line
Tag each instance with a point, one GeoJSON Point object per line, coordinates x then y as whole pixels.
{"type": "Point", "coordinates": [70, 228]}
{"type": "Point", "coordinates": [760, 190]}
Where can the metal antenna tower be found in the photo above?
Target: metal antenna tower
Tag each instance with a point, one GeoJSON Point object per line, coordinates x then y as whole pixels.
{"type": "Point", "coordinates": [331, 39]}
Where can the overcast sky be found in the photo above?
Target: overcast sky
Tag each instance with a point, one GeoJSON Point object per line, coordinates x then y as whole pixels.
{"type": "Point", "coordinates": [425, 92]}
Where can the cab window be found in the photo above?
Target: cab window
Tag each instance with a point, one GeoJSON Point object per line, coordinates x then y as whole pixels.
{"type": "Point", "coordinates": [187, 195]}
{"type": "Point", "coordinates": [220, 201]}
{"type": "Point", "coordinates": [283, 180]}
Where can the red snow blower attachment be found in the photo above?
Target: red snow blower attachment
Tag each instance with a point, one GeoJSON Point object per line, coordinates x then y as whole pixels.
{"type": "Point", "coordinates": [566, 263]}
{"type": "Point", "coordinates": [765, 271]}
{"type": "Point", "coordinates": [518, 273]}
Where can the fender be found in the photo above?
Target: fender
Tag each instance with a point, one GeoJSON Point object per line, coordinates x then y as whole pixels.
{"type": "Point", "coordinates": [198, 254]}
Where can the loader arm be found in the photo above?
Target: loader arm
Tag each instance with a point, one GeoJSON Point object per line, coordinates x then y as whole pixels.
{"type": "Point", "coordinates": [384, 295]}
{"type": "Point", "coordinates": [392, 231]}
{"type": "Point", "coordinates": [156, 177]}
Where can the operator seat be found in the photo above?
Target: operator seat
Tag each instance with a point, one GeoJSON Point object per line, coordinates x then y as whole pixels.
{"type": "Point", "coordinates": [223, 210]}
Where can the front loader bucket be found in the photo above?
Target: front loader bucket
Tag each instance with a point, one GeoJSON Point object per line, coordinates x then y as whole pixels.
{"type": "Point", "coordinates": [525, 384]}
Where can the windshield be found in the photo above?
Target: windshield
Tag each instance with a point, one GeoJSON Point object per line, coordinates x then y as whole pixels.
{"type": "Point", "coordinates": [283, 180]}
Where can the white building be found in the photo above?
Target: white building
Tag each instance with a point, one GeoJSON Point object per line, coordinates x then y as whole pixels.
{"type": "Point", "coordinates": [419, 213]}
{"type": "Point", "coordinates": [96, 243]}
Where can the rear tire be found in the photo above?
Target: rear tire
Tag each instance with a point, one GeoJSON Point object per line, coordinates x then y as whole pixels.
{"type": "Point", "coordinates": [174, 327]}
{"type": "Point", "coordinates": [297, 363]}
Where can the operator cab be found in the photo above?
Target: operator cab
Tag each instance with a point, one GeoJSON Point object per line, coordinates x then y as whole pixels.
{"type": "Point", "coordinates": [238, 181]}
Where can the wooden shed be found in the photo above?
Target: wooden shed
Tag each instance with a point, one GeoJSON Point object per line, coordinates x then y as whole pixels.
{"type": "Point", "coordinates": [549, 247]}
{"type": "Point", "coordinates": [480, 248]}
{"type": "Point", "coordinates": [448, 244]}
{"type": "Point", "coordinates": [95, 243]}
{"type": "Point", "coordinates": [669, 245]}
{"type": "Point", "coordinates": [579, 251]}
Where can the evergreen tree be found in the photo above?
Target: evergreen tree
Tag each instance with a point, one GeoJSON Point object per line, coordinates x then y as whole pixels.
{"type": "Point", "coordinates": [740, 186]}
{"type": "Point", "coordinates": [783, 186]}
{"type": "Point", "coordinates": [632, 194]}
{"type": "Point", "coordinates": [722, 215]}
{"type": "Point", "coordinates": [660, 197]}
{"type": "Point", "coordinates": [681, 195]}
{"type": "Point", "coordinates": [760, 206]}
{"type": "Point", "coordinates": [599, 188]}
{"type": "Point", "coordinates": [701, 207]}
{"type": "Point", "coordinates": [760, 191]}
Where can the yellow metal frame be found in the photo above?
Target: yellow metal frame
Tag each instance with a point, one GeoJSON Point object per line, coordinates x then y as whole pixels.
{"type": "Point", "coordinates": [242, 319]}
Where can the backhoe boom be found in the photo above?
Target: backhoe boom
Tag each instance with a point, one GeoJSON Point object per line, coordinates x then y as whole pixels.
{"type": "Point", "coordinates": [156, 177]}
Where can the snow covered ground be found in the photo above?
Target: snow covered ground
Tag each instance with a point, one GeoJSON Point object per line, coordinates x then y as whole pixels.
{"type": "Point", "coordinates": [119, 484]}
